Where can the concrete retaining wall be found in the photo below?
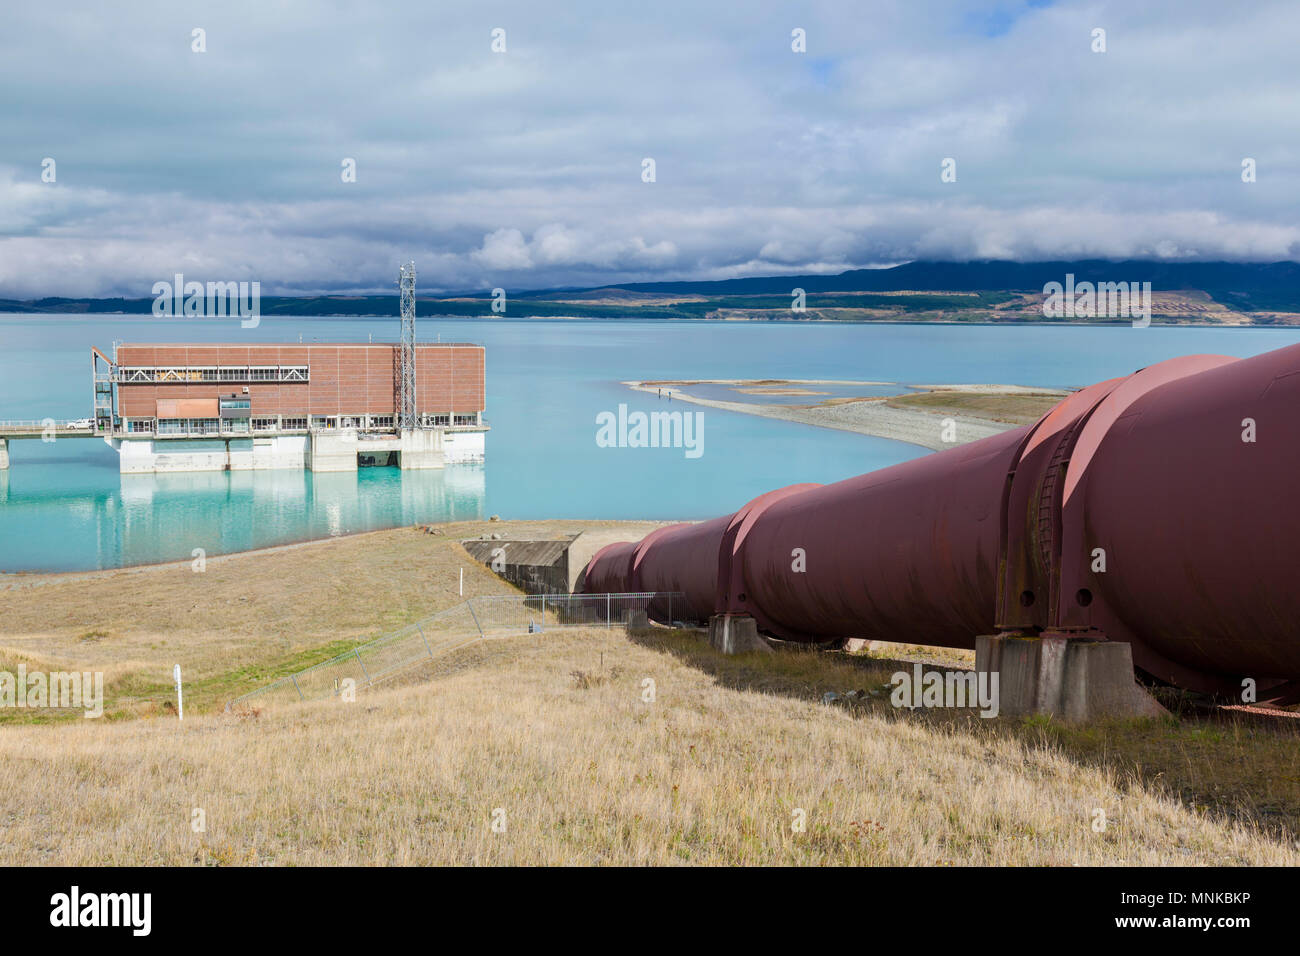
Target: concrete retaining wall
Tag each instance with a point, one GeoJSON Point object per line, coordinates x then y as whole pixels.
{"type": "Point", "coordinates": [334, 451]}
{"type": "Point", "coordinates": [460, 446]}
{"type": "Point", "coordinates": [420, 449]}
{"type": "Point", "coordinates": [152, 456]}
{"type": "Point", "coordinates": [535, 567]}
{"type": "Point", "coordinates": [320, 451]}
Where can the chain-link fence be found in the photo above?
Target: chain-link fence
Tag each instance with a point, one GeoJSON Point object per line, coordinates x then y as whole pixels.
{"type": "Point", "coordinates": [464, 624]}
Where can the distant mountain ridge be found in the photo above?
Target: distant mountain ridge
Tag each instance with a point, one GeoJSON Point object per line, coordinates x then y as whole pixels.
{"type": "Point", "coordinates": [1243, 287]}
{"type": "Point", "coordinates": [1003, 275]}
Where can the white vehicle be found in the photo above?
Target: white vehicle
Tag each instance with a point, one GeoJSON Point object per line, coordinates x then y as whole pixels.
{"type": "Point", "coordinates": [81, 423]}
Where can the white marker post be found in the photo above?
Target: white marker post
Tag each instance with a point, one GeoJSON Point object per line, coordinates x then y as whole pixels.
{"type": "Point", "coordinates": [180, 704]}
{"type": "Point", "coordinates": [462, 582]}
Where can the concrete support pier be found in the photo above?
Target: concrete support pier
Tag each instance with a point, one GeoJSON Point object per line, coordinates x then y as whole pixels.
{"type": "Point", "coordinates": [420, 449]}
{"type": "Point", "coordinates": [4, 453]}
{"type": "Point", "coordinates": [735, 634]}
{"type": "Point", "coordinates": [335, 451]}
{"type": "Point", "coordinates": [1075, 679]}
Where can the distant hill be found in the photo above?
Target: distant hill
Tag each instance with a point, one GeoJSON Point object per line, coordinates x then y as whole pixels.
{"type": "Point", "coordinates": [988, 290]}
{"type": "Point", "coordinates": [1000, 275]}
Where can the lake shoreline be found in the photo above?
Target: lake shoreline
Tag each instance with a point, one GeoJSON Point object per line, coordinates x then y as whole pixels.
{"type": "Point", "coordinates": [873, 416]}
{"type": "Point", "coordinates": [637, 527]}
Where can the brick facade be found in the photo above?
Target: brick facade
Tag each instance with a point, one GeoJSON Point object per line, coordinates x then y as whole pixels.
{"type": "Point", "coordinates": [344, 379]}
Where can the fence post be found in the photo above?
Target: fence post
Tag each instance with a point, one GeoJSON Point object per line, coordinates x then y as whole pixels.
{"type": "Point", "coordinates": [470, 604]}
{"type": "Point", "coordinates": [670, 608]}
{"type": "Point", "coordinates": [357, 652]}
{"type": "Point", "coordinates": [425, 639]}
{"type": "Point", "coordinates": [296, 687]}
{"type": "Point", "coordinates": [607, 609]}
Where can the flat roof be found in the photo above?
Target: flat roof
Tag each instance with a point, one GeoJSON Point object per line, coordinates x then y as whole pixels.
{"type": "Point", "coordinates": [288, 345]}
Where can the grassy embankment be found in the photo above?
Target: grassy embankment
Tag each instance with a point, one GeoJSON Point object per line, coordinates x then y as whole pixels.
{"type": "Point", "coordinates": [244, 621]}
{"type": "Point", "coordinates": [555, 731]}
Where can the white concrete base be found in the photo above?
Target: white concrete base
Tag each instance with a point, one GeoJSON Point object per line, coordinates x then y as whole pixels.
{"type": "Point", "coordinates": [736, 634]}
{"type": "Point", "coordinates": [462, 446]}
{"type": "Point", "coordinates": [4, 453]}
{"type": "Point", "coordinates": [281, 451]}
{"type": "Point", "coordinates": [335, 451]}
{"type": "Point", "coordinates": [331, 451]}
{"type": "Point", "coordinates": [1073, 679]}
{"type": "Point", "coordinates": [155, 456]}
{"type": "Point", "coordinates": [420, 449]}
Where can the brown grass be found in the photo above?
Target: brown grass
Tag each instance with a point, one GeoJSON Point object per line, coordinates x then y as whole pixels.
{"type": "Point", "coordinates": [247, 617]}
{"type": "Point", "coordinates": [555, 730]}
{"type": "Point", "coordinates": [586, 772]}
{"type": "Point", "coordinates": [1018, 409]}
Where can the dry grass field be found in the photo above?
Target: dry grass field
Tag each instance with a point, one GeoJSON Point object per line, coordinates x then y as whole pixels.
{"type": "Point", "coordinates": [247, 618]}
{"type": "Point", "coordinates": [1018, 408]}
{"type": "Point", "coordinates": [556, 735]}
{"type": "Point", "coordinates": [553, 734]}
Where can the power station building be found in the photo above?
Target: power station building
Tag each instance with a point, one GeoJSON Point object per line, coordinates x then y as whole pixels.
{"type": "Point", "coordinates": [331, 407]}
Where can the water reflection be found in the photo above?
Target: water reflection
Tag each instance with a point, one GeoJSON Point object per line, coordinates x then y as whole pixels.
{"type": "Point", "coordinates": [46, 525]}
{"type": "Point", "coordinates": [167, 516]}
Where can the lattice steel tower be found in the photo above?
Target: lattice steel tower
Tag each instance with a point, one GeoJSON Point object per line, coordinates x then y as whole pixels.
{"type": "Point", "coordinates": [406, 416]}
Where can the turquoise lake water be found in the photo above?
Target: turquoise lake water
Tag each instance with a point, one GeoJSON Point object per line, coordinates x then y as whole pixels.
{"type": "Point", "coordinates": [64, 506]}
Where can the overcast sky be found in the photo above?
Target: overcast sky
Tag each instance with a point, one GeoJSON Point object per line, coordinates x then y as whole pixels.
{"type": "Point", "coordinates": [523, 169]}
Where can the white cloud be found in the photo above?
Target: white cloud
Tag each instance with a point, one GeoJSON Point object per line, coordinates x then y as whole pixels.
{"type": "Point", "coordinates": [504, 249]}
{"type": "Point", "coordinates": [525, 167]}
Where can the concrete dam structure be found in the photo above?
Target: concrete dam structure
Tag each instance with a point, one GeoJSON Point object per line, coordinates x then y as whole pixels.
{"type": "Point", "coordinates": [1152, 515]}
{"type": "Point", "coordinates": [184, 407]}
{"type": "Point", "coordinates": [325, 407]}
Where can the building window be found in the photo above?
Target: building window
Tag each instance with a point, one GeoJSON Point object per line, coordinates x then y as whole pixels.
{"type": "Point", "coordinates": [227, 373]}
{"type": "Point", "coordinates": [264, 424]}
{"type": "Point", "coordinates": [466, 419]}
{"type": "Point", "coordinates": [299, 424]}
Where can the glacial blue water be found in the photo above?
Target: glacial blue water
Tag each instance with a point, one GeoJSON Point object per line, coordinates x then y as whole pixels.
{"type": "Point", "coordinates": [64, 506]}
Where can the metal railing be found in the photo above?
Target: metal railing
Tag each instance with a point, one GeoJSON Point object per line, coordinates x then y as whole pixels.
{"type": "Point", "coordinates": [477, 619]}
{"type": "Point", "coordinates": [43, 424]}
{"type": "Point", "coordinates": [365, 426]}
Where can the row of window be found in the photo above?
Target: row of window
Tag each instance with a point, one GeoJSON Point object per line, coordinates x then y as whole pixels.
{"type": "Point", "coordinates": [200, 426]}
{"type": "Point", "coordinates": [254, 373]}
{"type": "Point", "coordinates": [283, 424]}
{"type": "Point", "coordinates": [213, 426]}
